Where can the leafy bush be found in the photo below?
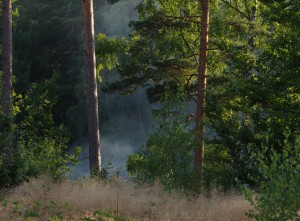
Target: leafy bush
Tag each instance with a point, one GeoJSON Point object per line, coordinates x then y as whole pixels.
{"type": "Point", "coordinates": [168, 154]}
{"type": "Point", "coordinates": [278, 183]}
{"type": "Point", "coordinates": [218, 173]}
{"type": "Point", "coordinates": [39, 146]}
{"type": "Point", "coordinates": [109, 172]}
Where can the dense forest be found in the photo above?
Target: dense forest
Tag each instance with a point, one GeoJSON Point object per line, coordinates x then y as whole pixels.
{"type": "Point", "coordinates": [199, 96]}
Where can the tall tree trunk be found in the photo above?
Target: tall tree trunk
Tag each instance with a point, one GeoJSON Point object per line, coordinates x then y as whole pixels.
{"type": "Point", "coordinates": [202, 72]}
{"type": "Point", "coordinates": [7, 88]}
{"type": "Point", "coordinates": [91, 88]}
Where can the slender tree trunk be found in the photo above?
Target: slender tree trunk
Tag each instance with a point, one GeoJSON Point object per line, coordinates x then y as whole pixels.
{"type": "Point", "coordinates": [202, 72]}
{"type": "Point", "coordinates": [7, 88]}
{"type": "Point", "coordinates": [253, 18]}
{"type": "Point", "coordinates": [91, 88]}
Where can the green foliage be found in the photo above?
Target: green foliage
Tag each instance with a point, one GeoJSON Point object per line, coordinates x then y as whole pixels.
{"type": "Point", "coordinates": [16, 207]}
{"type": "Point", "coordinates": [40, 143]}
{"type": "Point", "coordinates": [168, 154]}
{"type": "Point", "coordinates": [157, 49]}
{"type": "Point", "coordinates": [53, 211]}
{"type": "Point", "coordinates": [257, 88]}
{"type": "Point", "coordinates": [5, 202]}
{"type": "Point", "coordinates": [36, 210]}
{"type": "Point", "coordinates": [241, 92]}
{"type": "Point", "coordinates": [39, 146]}
{"type": "Point", "coordinates": [48, 41]}
{"type": "Point", "coordinates": [252, 85]}
{"type": "Point", "coordinates": [109, 172]}
{"type": "Point", "coordinates": [278, 196]}
{"type": "Point", "coordinates": [167, 157]}
{"type": "Point", "coordinates": [30, 213]}
{"type": "Point", "coordinates": [102, 216]}
{"type": "Point", "coordinates": [218, 171]}
{"type": "Point", "coordinates": [107, 51]}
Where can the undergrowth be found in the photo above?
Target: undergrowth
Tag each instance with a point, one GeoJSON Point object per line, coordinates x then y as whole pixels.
{"type": "Point", "coordinates": [90, 200]}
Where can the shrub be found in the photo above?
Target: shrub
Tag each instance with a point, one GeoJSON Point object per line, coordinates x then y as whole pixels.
{"type": "Point", "coordinates": [168, 154]}
{"type": "Point", "coordinates": [278, 183]}
{"type": "Point", "coordinates": [39, 145]}
{"type": "Point", "coordinates": [167, 157]}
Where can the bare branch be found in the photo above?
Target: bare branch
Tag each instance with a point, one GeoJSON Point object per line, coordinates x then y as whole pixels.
{"type": "Point", "coordinates": [192, 55]}
{"type": "Point", "coordinates": [187, 119]}
{"type": "Point", "coordinates": [187, 87]}
{"type": "Point", "coordinates": [184, 18]}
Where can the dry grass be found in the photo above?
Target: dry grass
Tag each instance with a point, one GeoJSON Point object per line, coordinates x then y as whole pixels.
{"type": "Point", "coordinates": [77, 199]}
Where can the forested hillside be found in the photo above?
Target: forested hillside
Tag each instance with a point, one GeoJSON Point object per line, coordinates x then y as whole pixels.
{"type": "Point", "coordinates": [200, 96]}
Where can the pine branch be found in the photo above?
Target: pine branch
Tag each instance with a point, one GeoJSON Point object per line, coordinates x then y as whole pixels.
{"type": "Point", "coordinates": [237, 9]}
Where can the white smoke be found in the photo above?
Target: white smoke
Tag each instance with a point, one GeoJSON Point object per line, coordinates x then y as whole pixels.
{"type": "Point", "coordinates": [113, 19]}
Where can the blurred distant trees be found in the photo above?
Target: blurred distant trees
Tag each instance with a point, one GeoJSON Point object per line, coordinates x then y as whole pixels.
{"type": "Point", "coordinates": [49, 41]}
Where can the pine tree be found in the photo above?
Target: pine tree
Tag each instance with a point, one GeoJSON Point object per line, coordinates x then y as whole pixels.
{"type": "Point", "coordinates": [91, 88]}
{"type": "Point", "coordinates": [7, 88]}
{"type": "Point", "coordinates": [201, 89]}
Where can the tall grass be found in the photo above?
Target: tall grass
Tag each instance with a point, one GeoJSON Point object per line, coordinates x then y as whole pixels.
{"type": "Point", "coordinates": [73, 200]}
